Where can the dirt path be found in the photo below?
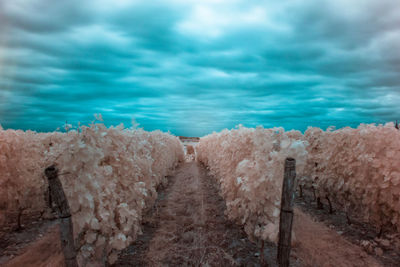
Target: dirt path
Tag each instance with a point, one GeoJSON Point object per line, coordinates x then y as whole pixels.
{"type": "Point", "coordinates": [188, 228]}
{"type": "Point", "coordinates": [385, 248]}
{"type": "Point", "coordinates": [43, 251]}
{"type": "Point", "coordinates": [318, 245]}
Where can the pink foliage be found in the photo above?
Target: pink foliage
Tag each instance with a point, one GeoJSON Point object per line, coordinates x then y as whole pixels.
{"type": "Point", "coordinates": [358, 169]}
{"type": "Point", "coordinates": [109, 176]}
{"type": "Point", "coordinates": [248, 164]}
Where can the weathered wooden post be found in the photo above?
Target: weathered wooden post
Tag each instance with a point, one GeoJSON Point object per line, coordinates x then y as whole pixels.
{"type": "Point", "coordinates": [60, 202]}
{"type": "Point", "coordinates": [330, 204]}
{"type": "Point", "coordinates": [286, 217]}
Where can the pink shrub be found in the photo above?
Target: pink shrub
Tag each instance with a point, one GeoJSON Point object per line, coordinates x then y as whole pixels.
{"type": "Point", "coordinates": [249, 163]}
{"type": "Point", "coordinates": [109, 176]}
{"type": "Point", "coordinates": [358, 169]}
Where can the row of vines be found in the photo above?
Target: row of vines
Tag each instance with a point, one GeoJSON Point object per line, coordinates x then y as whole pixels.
{"type": "Point", "coordinates": [109, 176]}
{"type": "Point", "coordinates": [357, 169]}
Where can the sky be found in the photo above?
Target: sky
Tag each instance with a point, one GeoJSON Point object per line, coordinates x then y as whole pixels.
{"type": "Point", "coordinates": [194, 67]}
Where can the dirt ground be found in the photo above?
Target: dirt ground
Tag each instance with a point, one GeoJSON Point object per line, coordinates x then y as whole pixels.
{"type": "Point", "coordinates": [37, 245]}
{"type": "Point", "coordinates": [384, 247]}
{"type": "Point", "coordinates": [188, 228]}
{"type": "Point", "coordinates": [318, 245]}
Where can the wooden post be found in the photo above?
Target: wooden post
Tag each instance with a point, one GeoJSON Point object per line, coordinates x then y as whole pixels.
{"type": "Point", "coordinates": [286, 217]}
{"type": "Point", "coordinates": [330, 205]}
{"type": "Point", "coordinates": [19, 218]}
{"type": "Point", "coordinates": [60, 203]}
{"type": "Point", "coordinates": [262, 261]}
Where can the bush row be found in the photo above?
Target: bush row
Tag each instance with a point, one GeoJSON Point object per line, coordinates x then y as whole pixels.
{"type": "Point", "coordinates": [109, 176]}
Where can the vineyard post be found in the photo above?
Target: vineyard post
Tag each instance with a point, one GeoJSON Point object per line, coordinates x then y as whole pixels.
{"type": "Point", "coordinates": [286, 216]}
{"type": "Point", "coordinates": [61, 205]}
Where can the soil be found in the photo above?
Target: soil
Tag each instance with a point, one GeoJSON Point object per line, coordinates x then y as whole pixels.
{"type": "Point", "coordinates": [384, 247]}
{"type": "Point", "coordinates": [38, 244]}
{"type": "Point", "coordinates": [318, 245]}
{"type": "Point", "coordinates": [188, 228]}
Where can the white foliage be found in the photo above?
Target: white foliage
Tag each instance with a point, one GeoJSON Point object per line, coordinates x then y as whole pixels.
{"type": "Point", "coordinates": [249, 164]}
{"type": "Point", "coordinates": [109, 176]}
{"type": "Point", "coordinates": [358, 169]}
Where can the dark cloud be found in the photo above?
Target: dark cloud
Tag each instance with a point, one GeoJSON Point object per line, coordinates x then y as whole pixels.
{"type": "Point", "coordinates": [196, 67]}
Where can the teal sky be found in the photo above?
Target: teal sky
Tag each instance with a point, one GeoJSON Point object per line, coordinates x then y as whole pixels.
{"type": "Point", "coordinates": [193, 67]}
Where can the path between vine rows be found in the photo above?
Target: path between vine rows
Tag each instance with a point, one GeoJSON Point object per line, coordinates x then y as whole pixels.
{"type": "Point", "coordinates": [187, 227]}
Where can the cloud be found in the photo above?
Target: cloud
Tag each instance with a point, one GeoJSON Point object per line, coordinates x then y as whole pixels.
{"type": "Point", "coordinates": [196, 67]}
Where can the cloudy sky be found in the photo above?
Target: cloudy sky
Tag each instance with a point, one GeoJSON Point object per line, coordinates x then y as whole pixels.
{"type": "Point", "coordinates": [193, 67]}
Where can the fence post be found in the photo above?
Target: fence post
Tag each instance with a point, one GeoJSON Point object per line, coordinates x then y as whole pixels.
{"type": "Point", "coordinates": [286, 216]}
{"type": "Point", "coordinates": [61, 205]}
